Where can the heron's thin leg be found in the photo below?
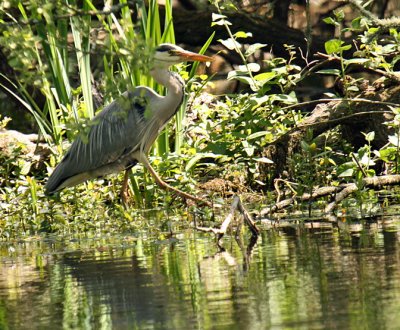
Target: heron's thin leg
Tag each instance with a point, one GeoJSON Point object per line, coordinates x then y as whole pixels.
{"type": "Point", "coordinates": [165, 185]}
{"type": "Point", "coordinates": [124, 189]}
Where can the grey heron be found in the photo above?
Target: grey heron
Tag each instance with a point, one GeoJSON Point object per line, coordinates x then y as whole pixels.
{"type": "Point", "coordinates": [122, 134]}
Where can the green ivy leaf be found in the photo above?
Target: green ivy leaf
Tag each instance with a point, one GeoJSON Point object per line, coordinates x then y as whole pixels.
{"type": "Point", "coordinates": [394, 139]}
{"type": "Point", "coordinates": [249, 149]}
{"type": "Point", "coordinates": [339, 15]}
{"type": "Point", "coordinates": [218, 19]}
{"type": "Point", "coordinates": [242, 34]}
{"type": "Point", "coordinates": [356, 23]}
{"type": "Point", "coordinates": [345, 47]}
{"type": "Point", "coordinates": [284, 98]}
{"type": "Point", "coordinates": [388, 154]}
{"type": "Point", "coordinates": [346, 173]}
{"type": "Point", "coordinates": [330, 20]}
{"type": "Point", "coordinates": [245, 79]}
{"type": "Point", "coordinates": [333, 46]}
{"type": "Point", "coordinates": [253, 48]}
{"type": "Point", "coordinates": [230, 43]}
{"type": "Point", "coordinates": [253, 67]}
{"type": "Point", "coordinates": [265, 76]}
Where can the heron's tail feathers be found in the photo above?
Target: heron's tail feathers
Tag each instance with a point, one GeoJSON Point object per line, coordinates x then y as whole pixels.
{"type": "Point", "coordinates": [54, 183]}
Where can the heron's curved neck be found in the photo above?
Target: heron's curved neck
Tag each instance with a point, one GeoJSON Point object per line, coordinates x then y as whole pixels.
{"type": "Point", "coordinates": [171, 80]}
{"type": "Point", "coordinates": [175, 86]}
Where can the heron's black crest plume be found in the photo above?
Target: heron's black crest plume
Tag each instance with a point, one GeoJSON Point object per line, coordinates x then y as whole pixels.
{"type": "Point", "coordinates": [166, 48]}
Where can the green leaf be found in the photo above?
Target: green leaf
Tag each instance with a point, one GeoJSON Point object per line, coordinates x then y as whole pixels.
{"type": "Point", "coordinates": [330, 20]}
{"type": "Point", "coordinates": [356, 61]}
{"type": "Point", "coordinates": [373, 30]}
{"type": "Point", "coordinates": [253, 67]}
{"type": "Point", "coordinates": [264, 160]}
{"type": "Point", "coordinates": [249, 149]}
{"type": "Point", "coordinates": [261, 100]}
{"type": "Point", "coordinates": [330, 160]}
{"type": "Point", "coordinates": [388, 154]}
{"type": "Point", "coordinates": [253, 48]}
{"type": "Point", "coordinates": [356, 23]}
{"type": "Point", "coordinates": [333, 72]}
{"type": "Point", "coordinates": [257, 135]}
{"type": "Point", "coordinates": [345, 47]}
{"type": "Point", "coordinates": [284, 98]}
{"type": "Point", "coordinates": [394, 139]}
{"type": "Point", "coordinates": [230, 43]}
{"type": "Point", "coordinates": [194, 160]}
{"type": "Point", "coordinates": [339, 15]}
{"type": "Point", "coordinates": [305, 146]}
{"type": "Point", "coordinates": [25, 168]}
{"type": "Point", "coordinates": [366, 160]}
{"type": "Point", "coordinates": [265, 76]}
{"type": "Point", "coordinates": [346, 173]}
{"type": "Point", "coordinates": [370, 172]}
{"type": "Point", "coordinates": [353, 89]}
{"type": "Point", "coordinates": [245, 79]}
{"type": "Point", "coordinates": [216, 17]}
{"type": "Point", "coordinates": [333, 46]}
{"type": "Point", "coordinates": [242, 34]}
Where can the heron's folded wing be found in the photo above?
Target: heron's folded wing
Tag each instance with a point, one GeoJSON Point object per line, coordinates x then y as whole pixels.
{"type": "Point", "coordinates": [117, 130]}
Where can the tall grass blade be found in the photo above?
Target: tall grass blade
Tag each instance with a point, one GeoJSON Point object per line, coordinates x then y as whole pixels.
{"type": "Point", "coordinates": [80, 27]}
{"type": "Point", "coordinates": [181, 114]}
{"type": "Point", "coordinates": [169, 31]}
{"type": "Point", "coordinates": [31, 106]}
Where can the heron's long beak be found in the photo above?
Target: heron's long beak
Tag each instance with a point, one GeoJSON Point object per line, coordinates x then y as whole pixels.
{"type": "Point", "coordinates": [190, 56]}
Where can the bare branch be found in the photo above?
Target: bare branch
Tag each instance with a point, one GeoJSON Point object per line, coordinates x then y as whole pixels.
{"type": "Point", "coordinates": [236, 205]}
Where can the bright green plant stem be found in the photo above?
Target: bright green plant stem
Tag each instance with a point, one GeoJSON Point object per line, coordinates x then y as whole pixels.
{"type": "Point", "coordinates": [236, 47]}
{"type": "Point", "coordinates": [80, 27]}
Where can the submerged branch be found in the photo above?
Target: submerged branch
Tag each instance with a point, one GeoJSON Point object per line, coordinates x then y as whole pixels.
{"type": "Point", "coordinates": [236, 205]}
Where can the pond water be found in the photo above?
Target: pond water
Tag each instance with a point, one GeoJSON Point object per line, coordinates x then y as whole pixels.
{"type": "Point", "coordinates": [319, 276]}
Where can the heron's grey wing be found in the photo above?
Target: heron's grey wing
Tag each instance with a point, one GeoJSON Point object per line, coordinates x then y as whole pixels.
{"type": "Point", "coordinates": [116, 131]}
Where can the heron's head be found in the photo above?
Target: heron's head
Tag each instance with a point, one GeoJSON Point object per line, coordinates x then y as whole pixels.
{"type": "Point", "coordinates": [168, 54]}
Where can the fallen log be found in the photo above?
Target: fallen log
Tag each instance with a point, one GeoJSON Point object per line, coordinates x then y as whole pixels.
{"type": "Point", "coordinates": [338, 194]}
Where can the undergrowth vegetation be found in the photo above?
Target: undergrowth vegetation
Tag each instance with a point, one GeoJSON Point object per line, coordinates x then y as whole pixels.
{"type": "Point", "coordinates": [81, 58]}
